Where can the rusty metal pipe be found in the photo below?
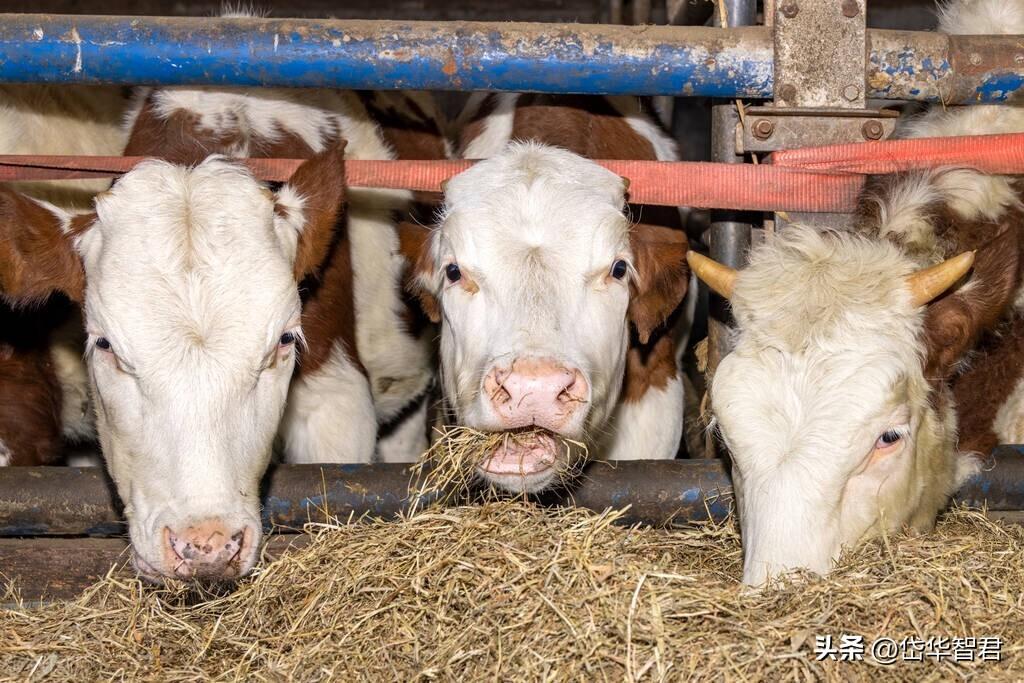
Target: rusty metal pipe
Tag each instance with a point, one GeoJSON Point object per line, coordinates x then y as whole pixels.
{"type": "Point", "coordinates": [571, 58]}
{"type": "Point", "coordinates": [68, 501]}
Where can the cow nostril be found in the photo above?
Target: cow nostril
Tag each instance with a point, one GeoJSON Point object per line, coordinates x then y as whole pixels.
{"type": "Point", "coordinates": [501, 395]}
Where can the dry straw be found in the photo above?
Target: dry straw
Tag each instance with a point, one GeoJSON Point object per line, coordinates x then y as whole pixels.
{"type": "Point", "coordinates": [447, 471]}
{"type": "Point", "coordinates": [511, 591]}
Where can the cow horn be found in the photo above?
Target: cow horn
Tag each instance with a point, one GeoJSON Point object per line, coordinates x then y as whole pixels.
{"type": "Point", "coordinates": [718, 277]}
{"type": "Point", "coordinates": [928, 283]}
{"type": "Point", "coordinates": [625, 183]}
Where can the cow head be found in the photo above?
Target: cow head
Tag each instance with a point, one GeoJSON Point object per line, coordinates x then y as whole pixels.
{"type": "Point", "coordinates": [536, 274]}
{"type": "Point", "coordinates": [831, 402]}
{"type": "Point", "coordinates": [187, 277]}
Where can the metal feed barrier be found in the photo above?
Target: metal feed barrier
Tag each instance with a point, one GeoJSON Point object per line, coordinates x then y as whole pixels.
{"type": "Point", "coordinates": [820, 94]}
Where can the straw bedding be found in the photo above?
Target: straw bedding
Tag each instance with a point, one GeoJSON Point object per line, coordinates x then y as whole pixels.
{"type": "Point", "coordinates": [511, 591]}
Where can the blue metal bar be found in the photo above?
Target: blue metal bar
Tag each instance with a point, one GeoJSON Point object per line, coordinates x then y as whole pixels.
{"type": "Point", "coordinates": [572, 58]}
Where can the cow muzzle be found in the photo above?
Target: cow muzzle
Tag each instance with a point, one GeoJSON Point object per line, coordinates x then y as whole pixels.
{"type": "Point", "coordinates": [208, 550]}
{"type": "Point", "coordinates": [537, 392]}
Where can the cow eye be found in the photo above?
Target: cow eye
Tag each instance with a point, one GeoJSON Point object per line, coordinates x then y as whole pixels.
{"type": "Point", "coordinates": [619, 269]}
{"type": "Point", "coordinates": [287, 339]}
{"type": "Point", "coordinates": [103, 344]}
{"type": "Point", "coordinates": [889, 438]}
{"type": "Point", "coordinates": [452, 272]}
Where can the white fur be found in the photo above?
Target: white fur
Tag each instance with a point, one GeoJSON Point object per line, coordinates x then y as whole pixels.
{"type": "Point", "coordinates": [189, 398]}
{"type": "Point", "coordinates": [982, 17]}
{"type": "Point", "coordinates": [398, 365]}
{"type": "Point", "coordinates": [408, 436]}
{"type": "Point", "coordinates": [828, 356]}
{"type": "Point", "coordinates": [5, 455]}
{"type": "Point", "coordinates": [329, 416]}
{"type": "Point", "coordinates": [537, 230]}
{"type": "Point", "coordinates": [84, 460]}
{"type": "Point", "coordinates": [826, 359]}
{"type": "Point", "coordinates": [970, 193]}
{"type": "Point", "coordinates": [614, 429]}
{"type": "Point", "coordinates": [651, 426]}
{"type": "Point", "coordinates": [1009, 422]}
{"type": "Point", "coordinates": [497, 130]}
{"type": "Point", "coordinates": [77, 421]}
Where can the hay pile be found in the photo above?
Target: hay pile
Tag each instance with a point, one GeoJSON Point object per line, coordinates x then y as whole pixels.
{"type": "Point", "coordinates": [510, 591]}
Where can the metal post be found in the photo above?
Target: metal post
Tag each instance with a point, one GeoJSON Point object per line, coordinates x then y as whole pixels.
{"type": "Point", "coordinates": [730, 237]}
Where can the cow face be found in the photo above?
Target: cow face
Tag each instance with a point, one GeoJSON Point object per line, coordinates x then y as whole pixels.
{"type": "Point", "coordinates": [193, 321]}
{"type": "Point", "coordinates": [536, 272]}
{"type": "Point", "coordinates": [834, 431]}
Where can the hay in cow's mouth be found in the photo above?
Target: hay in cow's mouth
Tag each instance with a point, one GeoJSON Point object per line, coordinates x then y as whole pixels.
{"type": "Point", "coordinates": [513, 591]}
{"type": "Point", "coordinates": [448, 470]}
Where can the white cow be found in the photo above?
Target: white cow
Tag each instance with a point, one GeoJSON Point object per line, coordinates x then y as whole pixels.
{"type": "Point", "coordinates": [557, 311]}
{"type": "Point", "coordinates": [847, 404]}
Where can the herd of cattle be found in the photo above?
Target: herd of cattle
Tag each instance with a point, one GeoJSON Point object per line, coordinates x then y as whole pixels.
{"type": "Point", "coordinates": [196, 320]}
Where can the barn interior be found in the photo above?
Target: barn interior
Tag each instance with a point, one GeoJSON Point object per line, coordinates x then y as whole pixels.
{"type": "Point", "coordinates": [642, 558]}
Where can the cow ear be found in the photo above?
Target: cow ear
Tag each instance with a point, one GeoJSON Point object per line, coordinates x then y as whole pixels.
{"type": "Point", "coordinates": [37, 254]}
{"type": "Point", "coordinates": [414, 242]}
{"type": "Point", "coordinates": [659, 257]}
{"type": "Point", "coordinates": [314, 198]}
{"type": "Point", "coordinates": [953, 323]}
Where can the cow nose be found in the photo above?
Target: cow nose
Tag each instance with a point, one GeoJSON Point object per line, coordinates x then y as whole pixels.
{"type": "Point", "coordinates": [536, 392]}
{"type": "Point", "coordinates": [207, 550]}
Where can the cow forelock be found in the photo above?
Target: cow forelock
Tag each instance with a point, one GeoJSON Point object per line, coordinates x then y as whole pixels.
{"type": "Point", "coordinates": [535, 232]}
{"type": "Point", "coordinates": [190, 282]}
{"type": "Point", "coordinates": [827, 360]}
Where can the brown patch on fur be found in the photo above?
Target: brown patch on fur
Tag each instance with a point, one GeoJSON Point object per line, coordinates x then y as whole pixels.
{"type": "Point", "coordinates": [650, 366]}
{"type": "Point", "coordinates": [981, 390]}
{"type": "Point", "coordinates": [588, 126]}
{"type": "Point", "coordinates": [328, 310]}
{"type": "Point", "coordinates": [659, 256]}
{"type": "Point", "coordinates": [285, 145]}
{"type": "Point", "coordinates": [323, 262]}
{"type": "Point", "coordinates": [30, 393]}
{"type": "Point", "coordinates": [178, 138]}
{"type": "Point", "coordinates": [320, 181]}
{"type": "Point", "coordinates": [414, 242]}
{"type": "Point", "coordinates": [954, 323]}
{"type": "Point", "coordinates": [30, 405]}
{"type": "Point", "coordinates": [36, 257]}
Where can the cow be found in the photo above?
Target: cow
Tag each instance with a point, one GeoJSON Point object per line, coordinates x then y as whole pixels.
{"type": "Point", "coordinates": [200, 349]}
{"type": "Point", "coordinates": [557, 311]}
{"type": "Point", "coordinates": [869, 371]}
{"type": "Point", "coordinates": [44, 400]}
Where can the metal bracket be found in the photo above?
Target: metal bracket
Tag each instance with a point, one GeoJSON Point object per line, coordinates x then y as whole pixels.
{"type": "Point", "coordinates": [766, 129]}
{"type": "Point", "coordinates": [820, 53]}
{"type": "Point", "coordinates": [820, 61]}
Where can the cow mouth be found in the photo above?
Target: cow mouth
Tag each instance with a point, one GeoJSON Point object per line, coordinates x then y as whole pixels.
{"type": "Point", "coordinates": [523, 454]}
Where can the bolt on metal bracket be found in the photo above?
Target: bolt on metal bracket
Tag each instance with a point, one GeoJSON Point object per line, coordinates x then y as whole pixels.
{"type": "Point", "coordinates": [767, 129]}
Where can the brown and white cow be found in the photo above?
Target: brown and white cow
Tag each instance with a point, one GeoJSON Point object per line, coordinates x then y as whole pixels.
{"type": "Point", "coordinates": [43, 386]}
{"type": "Point", "coordinates": [868, 366]}
{"type": "Point", "coordinates": [557, 310]}
{"type": "Point", "coordinates": [189, 274]}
